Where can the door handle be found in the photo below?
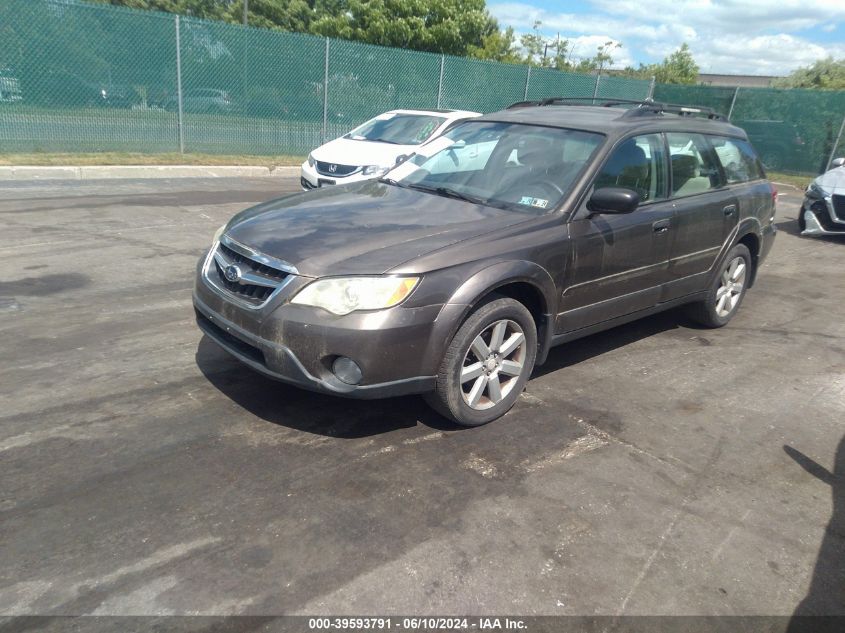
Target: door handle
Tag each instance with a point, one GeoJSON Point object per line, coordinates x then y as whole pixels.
{"type": "Point", "coordinates": [729, 210]}
{"type": "Point", "coordinates": [661, 226]}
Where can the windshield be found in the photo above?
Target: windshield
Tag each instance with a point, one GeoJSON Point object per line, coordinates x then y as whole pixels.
{"type": "Point", "coordinates": [399, 129]}
{"type": "Point", "coordinates": [525, 168]}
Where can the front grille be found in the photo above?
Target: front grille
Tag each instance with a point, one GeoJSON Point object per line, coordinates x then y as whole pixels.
{"type": "Point", "coordinates": [340, 170]}
{"type": "Point", "coordinates": [821, 209]}
{"type": "Point", "coordinates": [228, 340]}
{"type": "Point", "coordinates": [256, 281]}
{"type": "Point", "coordinates": [839, 207]}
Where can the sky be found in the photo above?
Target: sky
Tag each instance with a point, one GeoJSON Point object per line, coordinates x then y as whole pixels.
{"type": "Point", "coordinates": [759, 37]}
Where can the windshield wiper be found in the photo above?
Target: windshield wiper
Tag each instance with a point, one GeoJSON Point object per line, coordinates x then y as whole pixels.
{"type": "Point", "coordinates": [384, 140]}
{"type": "Point", "coordinates": [391, 181]}
{"type": "Point", "coordinates": [450, 193]}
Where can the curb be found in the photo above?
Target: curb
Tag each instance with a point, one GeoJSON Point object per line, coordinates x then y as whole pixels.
{"type": "Point", "coordinates": [24, 172]}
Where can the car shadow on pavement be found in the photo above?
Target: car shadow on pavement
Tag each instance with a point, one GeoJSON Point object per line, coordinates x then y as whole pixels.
{"type": "Point", "coordinates": [583, 349]}
{"type": "Point", "coordinates": [826, 595]}
{"type": "Point", "coordinates": [790, 227]}
{"type": "Point", "coordinates": [309, 411]}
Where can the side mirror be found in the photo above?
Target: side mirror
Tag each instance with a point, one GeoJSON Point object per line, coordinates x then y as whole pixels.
{"type": "Point", "coordinates": [837, 162]}
{"type": "Point", "coordinates": [613, 200]}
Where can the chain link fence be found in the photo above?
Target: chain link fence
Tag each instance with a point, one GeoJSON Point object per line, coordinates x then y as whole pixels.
{"type": "Point", "coordinates": [77, 77]}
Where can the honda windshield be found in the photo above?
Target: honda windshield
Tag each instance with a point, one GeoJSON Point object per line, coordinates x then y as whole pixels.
{"type": "Point", "coordinates": [397, 129]}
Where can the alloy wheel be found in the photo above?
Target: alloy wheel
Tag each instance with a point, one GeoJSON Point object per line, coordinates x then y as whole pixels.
{"type": "Point", "coordinates": [730, 289]}
{"type": "Point", "coordinates": [493, 364]}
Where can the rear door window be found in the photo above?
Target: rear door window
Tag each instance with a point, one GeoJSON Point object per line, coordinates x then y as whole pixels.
{"type": "Point", "coordinates": [738, 159]}
{"type": "Point", "coordinates": [694, 166]}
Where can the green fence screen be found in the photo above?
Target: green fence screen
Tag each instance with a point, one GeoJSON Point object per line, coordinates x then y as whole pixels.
{"type": "Point", "coordinates": [79, 77]}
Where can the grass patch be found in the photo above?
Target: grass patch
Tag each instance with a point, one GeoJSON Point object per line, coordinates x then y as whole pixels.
{"type": "Point", "coordinates": [130, 158]}
{"type": "Point", "coordinates": [791, 179]}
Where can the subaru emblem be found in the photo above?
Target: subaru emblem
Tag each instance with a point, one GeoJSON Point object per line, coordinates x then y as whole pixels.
{"type": "Point", "coordinates": [232, 273]}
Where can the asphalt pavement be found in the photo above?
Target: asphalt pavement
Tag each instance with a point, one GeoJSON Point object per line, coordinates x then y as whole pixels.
{"type": "Point", "coordinates": [656, 468]}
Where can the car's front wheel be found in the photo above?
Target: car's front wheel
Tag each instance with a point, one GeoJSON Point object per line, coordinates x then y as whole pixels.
{"type": "Point", "coordinates": [487, 363]}
{"type": "Point", "coordinates": [727, 291]}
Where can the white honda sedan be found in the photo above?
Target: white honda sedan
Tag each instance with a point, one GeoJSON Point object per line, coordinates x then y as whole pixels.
{"type": "Point", "coordinates": [372, 149]}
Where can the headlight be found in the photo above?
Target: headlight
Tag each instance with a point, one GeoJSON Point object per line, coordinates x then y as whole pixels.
{"type": "Point", "coordinates": [814, 191]}
{"type": "Point", "coordinates": [342, 295]}
{"type": "Point", "coordinates": [311, 160]}
{"type": "Point", "coordinates": [217, 235]}
{"type": "Point", "coordinates": [375, 170]}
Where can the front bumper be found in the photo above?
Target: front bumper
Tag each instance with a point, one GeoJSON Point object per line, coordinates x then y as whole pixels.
{"type": "Point", "coordinates": [310, 178]}
{"type": "Point", "coordinates": [298, 344]}
{"type": "Point", "coordinates": [819, 218]}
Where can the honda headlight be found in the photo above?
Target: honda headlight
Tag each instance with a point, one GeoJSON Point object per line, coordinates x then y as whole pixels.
{"type": "Point", "coordinates": [342, 295]}
{"type": "Point", "coordinates": [375, 170]}
{"type": "Point", "coordinates": [311, 160]}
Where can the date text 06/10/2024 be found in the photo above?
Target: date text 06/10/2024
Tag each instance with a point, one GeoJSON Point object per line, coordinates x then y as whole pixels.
{"type": "Point", "coordinates": [415, 624]}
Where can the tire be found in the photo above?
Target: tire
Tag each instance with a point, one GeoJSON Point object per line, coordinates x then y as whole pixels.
{"type": "Point", "coordinates": [802, 223]}
{"type": "Point", "coordinates": [475, 354]}
{"type": "Point", "coordinates": [726, 291]}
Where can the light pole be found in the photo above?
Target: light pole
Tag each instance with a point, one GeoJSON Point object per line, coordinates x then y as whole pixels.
{"type": "Point", "coordinates": [246, 12]}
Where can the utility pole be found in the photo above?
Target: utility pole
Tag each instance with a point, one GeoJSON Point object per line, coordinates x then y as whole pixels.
{"type": "Point", "coordinates": [246, 12]}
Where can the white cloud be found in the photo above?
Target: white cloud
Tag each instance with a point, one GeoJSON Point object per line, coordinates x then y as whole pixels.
{"type": "Point", "coordinates": [732, 36]}
{"type": "Point", "coordinates": [764, 54]}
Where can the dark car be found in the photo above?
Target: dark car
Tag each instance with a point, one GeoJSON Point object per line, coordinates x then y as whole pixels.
{"type": "Point", "coordinates": [207, 100]}
{"type": "Point", "coordinates": [62, 89]}
{"type": "Point", "coordinates": [454, 275]}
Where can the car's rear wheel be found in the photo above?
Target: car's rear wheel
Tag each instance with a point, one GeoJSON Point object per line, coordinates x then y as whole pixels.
{"type": "Point", "coordinates": [727, 291]}
{"type": "Point", "coordinates": [487, 363]}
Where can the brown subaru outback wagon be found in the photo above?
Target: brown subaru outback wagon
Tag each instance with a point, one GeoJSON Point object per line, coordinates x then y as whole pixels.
{"type": "Point", "coordinates": [454, 274]}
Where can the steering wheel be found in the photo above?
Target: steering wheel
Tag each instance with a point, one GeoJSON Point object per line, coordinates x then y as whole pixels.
{"type": "Point", "coordinates": [544, 185]}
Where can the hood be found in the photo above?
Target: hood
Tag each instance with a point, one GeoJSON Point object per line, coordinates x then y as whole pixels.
{"type": "Point", "coordinates": [362, 228]}
{"type": "Point", "coordinates": [832, 182]}
{"type": "Point", "coordinates": [345, 151]}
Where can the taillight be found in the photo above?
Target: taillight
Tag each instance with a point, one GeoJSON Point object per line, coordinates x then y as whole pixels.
{"type": "Point", "coordinates": [774, 193]}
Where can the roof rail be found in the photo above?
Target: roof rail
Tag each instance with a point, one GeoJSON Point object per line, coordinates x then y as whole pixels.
{"type": "Point", "coordinates": [644, 108]}
{"type": "Point", "coordinates": [647, 108]}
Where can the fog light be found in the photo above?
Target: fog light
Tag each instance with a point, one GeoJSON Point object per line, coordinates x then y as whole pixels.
{"type": "Point", "coordinates": [347, 370]}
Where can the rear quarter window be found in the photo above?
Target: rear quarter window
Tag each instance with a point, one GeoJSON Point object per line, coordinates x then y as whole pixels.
{"type": "Point", "coordinates": [738, 159]}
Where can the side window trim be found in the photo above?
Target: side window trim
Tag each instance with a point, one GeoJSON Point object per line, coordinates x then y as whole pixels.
{"type": "Point", "coordinates": [668, 160]}
{"type": "Point", "coordinates": [711, 149]}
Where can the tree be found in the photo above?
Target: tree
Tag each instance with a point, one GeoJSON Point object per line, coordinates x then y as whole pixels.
{"type": "Point", "coordinates": [497, 45]}
{"type": "Point", "coordinates": [825, 74]}
{"type": "Point", "coordinates": [438, 26]}
{"type": "Point", "coordinates": [601, 60]}
{"type": "Point", "coordinates": [542, 52]}
{"type": "Point", "coordinates": [677, 68]}
{"type": "Point", "coordinates": [209, 9]}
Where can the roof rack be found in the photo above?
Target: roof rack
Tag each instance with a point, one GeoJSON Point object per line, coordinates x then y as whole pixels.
{"type": "Point", "coordinates": [643, 108]}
